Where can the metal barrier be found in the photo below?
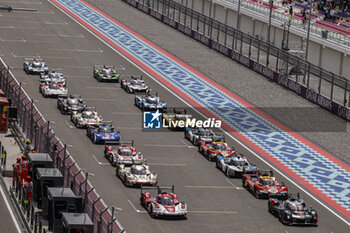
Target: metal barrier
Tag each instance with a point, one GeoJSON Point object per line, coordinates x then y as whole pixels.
{"type": "Point", "coordinates": [43, 138]}
{"type": "Point", "coordinates": [256, 8]}
{"type": "Point", "coordinates": [312, 82]}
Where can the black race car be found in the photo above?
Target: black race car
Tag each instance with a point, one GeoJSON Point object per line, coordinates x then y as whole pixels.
{"type": "Point", "coordinates": [71, 103]}
{"type": "Point", "coordinates": [293, 211]}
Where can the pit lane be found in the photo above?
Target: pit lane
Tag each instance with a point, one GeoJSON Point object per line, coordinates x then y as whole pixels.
{"type": "Point", "coordinates": [209, 207]}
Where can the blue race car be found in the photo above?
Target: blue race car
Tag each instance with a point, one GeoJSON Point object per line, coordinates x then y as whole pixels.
{"type": "Point", "coordinates": [102, 133]}
{"type": "Point", "coordinates": [35, 66]}
{"type": "Point", "coordinates": [150, 102]}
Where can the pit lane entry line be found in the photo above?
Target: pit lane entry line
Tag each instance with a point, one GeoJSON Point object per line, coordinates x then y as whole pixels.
{"type": "Point", "coordinates": [73, 9]}
{"type": "Point", "coordinates": [98, 162]}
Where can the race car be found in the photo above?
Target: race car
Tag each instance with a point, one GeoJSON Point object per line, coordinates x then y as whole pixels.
{"type": "Point", "coordinates": [264, 185]}
{"type": "Point", "coordinates": [150, 102]}
{"type": "Point", "coordinates": [53, 76]}
{"type": "Point", "coordinates": [106, 73]}
{"type": "Point", "coordinates": [71, 103]}
{"type": "Point", "coordinates": [163, 204]}
{"type": "Point", "coordinates": [136, 174]}
{"type": "Point", "coordinates": [135, 84]}
{"type": "Point", "coordinates": [176, 120]}
{"type": "Point", "coordinates": [88, 117]}
{"type": "Point", "coordinates": [102, 133]}
{"type": "Point", "coordinates": [34, 66]}
{"type": "Point", "coordinates": [195, 135]}
{"type": "Point", "coordinates": [211, 148]}
{"type": "Point", "coordinates": [233, 166]}
{"type": "Point", "coordinates": [52, 89]}
{"type": "Point", "coordinates": [125, 153]}
{"type": "Point", "coordinates": [293, 211]}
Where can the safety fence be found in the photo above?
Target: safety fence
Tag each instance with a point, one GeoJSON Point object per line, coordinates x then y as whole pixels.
{"type": "Point", "coordinates": [324, 88]}
{"type": "Point", "coordinates": [281, 16]}
{"type": "Point", "coordinates": [44, 140]}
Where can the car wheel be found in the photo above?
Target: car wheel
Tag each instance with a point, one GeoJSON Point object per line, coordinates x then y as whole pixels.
{"type": "Point", "coordinates": [269, 207]}
{"type": "Point", "coordinates": [283, 219]}
{"type": "Point", "coordinates": [62, 109]}
{"type": "Point", "coordinates": [227, 173]}
{"type": "Point", "coordinates": [256, 194]}
{"type": "Point", "coordinates": [151, 211]}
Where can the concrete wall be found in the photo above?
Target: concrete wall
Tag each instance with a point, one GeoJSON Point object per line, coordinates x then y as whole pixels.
{"type": "Point", "coordinates": [327, 57]}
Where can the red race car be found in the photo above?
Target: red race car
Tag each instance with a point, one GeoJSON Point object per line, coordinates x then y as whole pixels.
{"type": "Point", "coordinates": [264, 185]}
{"type": "Point", "coordinates": [164, 204]}
{"type": "Point", "coordinates": [211, 148]}
{"type": "Point", "coordinates": [124, 154]}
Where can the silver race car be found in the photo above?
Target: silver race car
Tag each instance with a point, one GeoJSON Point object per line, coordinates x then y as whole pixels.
{"type": "Point", "coordinates": [52, 89]}
{"type": "Point", "coordinates": [88, 117]}
{"type": "Point", "coordinates": [135, 84]}
{"type": "Point", "coordinates": [196, 135]}
{"type": "Point", "coordinates": [136, 174]}
{"type": "Point", "coordinates": [53, 76]}
{"type": "Point", "coordinates": [34, 66]}
{"type": "Point", "coordinates": [71, 103]}
{"type": "Point", "coordinates": [234, 165]}
{"type": "Point", "coordinates": [150, 102]}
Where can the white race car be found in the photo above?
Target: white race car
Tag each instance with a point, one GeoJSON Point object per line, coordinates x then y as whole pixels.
{"type": "Point", "coordinates": [137, 174]}
{"type": "Point", "coordinates": [234, 165]}
{"type": "Point", "coordinates": [197, 135]}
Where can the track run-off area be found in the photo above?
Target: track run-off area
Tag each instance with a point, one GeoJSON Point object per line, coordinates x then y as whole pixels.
{"type": "Point", "coordinates": [306, 167]}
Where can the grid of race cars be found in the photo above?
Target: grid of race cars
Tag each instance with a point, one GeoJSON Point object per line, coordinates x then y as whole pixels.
{"type": "Point", "coordinates": [131, 166]}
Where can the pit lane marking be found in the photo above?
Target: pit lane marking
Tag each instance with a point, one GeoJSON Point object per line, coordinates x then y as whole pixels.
{"type": "Point", "coordinates": [105, 88]}
{"type": "Point", "coordinates": [69, 125]}
{"type": "Point", "coordinates": [208, 187]}
{"type": "Point", "coordinates": [60, 35]}
{"type": "Point", "coordinates": [168, 164]}
{"type": "Point", "coordinates": [189, 146]}
{"type": "Point", "coordinates": [125, 113]}
{"type": "Point", "coordinates": [98, 162]}
{"type": "Point", "coordinates": [163, 145]}
{"type": "Point", "coordinates": [138, 211]}
{"type": "Point", "coordinates": [56, 23]}
{"type": "Point", "coordinates": [79, 50]}
{"type": "Point", "coordinates": [236, 187]}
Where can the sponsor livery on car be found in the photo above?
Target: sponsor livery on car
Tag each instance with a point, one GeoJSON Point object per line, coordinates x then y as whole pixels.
{"type": "Point", "coordinates": [88, 117]}
{"type": "Point", "coordinates": [106, 73]}
{"type": "Point", "coordinates": [34, 66]}
{"type": "Point", "coordinates": [293, 211]}
{"type": "Point", "coordinates": [135, 84]}
{"type": "Point", "coordinates": [71, 103]}
{"type": "Point", "coordinates": [211, 148]}
{"type": "Point", "coordinates": [150, 102]}
{"type": "Point", "coordinates": [163, 204]}
{"type": "Point", "coordinates": [53, 76]}
{"type": "Point", "coordinates": [125, 153]}
{"type": "Point", "coordinates": [195, 135]}
{"type": "Point", "coordinates": [136, 174]}
{"type": "Point", "coordinates": [102, 133]}
{"type": "Point", "coordinates": [264, 185]}
{"type": "Point", "coordinates": [52, 89]}
{"type": "Point", "coordinates": [234, 165]}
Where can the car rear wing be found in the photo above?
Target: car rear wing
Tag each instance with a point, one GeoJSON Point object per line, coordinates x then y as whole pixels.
{"type": "Point", "coordinates": [131, 77]}
{"type": "Point", "coordinates": [90, 108]}
{"type": "Point", "coordinates": [33, 59]}
{"type": "Point", "coordinates": [265, 173]}
{"type": "Point", "coordinates": [158, 188]}
{"type": "Point", "coordinates": [127, 143]}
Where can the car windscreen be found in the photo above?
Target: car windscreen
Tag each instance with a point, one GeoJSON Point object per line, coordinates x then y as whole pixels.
{"type": "Point", "coordinates": [151, 101]}
{"type": "Point", "coordinates": [166, 201]}
{"type": "Point", "coordinates": [73, 101]}
{"type": "Point", "coordinates": [204, 133]}
{"type": "Point", "coordinates": [218, 146]}
{"type": "Point", "coordinates": [125, 152]}
{"type": "Point", "coordinates": [268, 182]}
{"type": "Point", "coordinates": [55, 87]}
{"type": "Point", "coordinates": [105, 130]}
{"type": "Point", "coordinates": [107, 72]}
{"type": "Point", "coordinates": [296, 207]}
{"type": "Point", "coordinates": [87, 115]}
{"type": "Point", "coordinates": [36, 64]}
{"type": "Point", "coordinates": [140, 172]}
{"type": "Point", "coordinates": [239, 163]}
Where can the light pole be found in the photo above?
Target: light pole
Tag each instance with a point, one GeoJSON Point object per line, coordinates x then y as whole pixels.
{"type": "Point", "coordinates": [268, 34]}
{"type": "Point", "coordinates": [308, 29]}
{"type": "Point", "coordinates": [238, 12]}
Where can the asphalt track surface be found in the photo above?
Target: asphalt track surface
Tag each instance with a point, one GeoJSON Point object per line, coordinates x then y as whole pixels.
{"type": "Point", "coordinates": [216, 204]}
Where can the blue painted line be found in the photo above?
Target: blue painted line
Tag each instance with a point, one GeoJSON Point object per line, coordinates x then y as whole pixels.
{"type": "Point", "coordinates": [312, 166]}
